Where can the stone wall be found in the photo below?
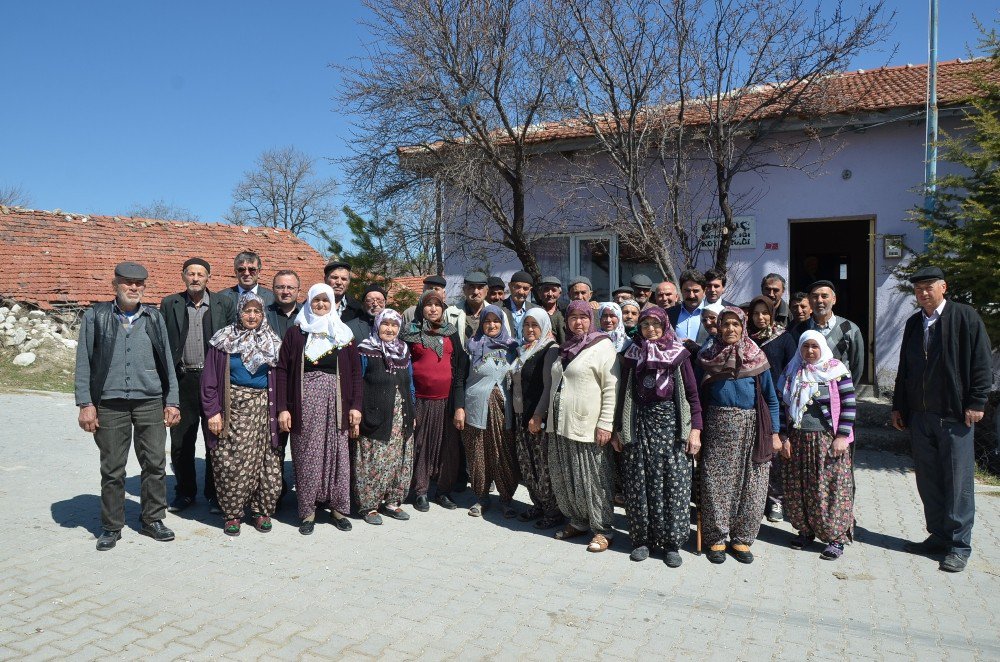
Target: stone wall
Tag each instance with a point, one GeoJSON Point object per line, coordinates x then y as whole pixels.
{"type": "Point", "coordinates": [27, 333]}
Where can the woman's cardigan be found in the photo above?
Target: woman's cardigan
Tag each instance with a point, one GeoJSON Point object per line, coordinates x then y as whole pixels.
{"type": "Point", "coordinates": [215, 396]}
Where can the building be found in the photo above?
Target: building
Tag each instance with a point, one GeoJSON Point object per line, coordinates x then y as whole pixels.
{"type": "Point", "coordinates": [844, 222]}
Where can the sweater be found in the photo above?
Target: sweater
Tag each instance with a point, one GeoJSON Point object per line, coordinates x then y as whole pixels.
{"type": "Point", "coordinates": [966, 376]}
{"type": "Point", "coordinates": [586, 389]}
{"type": "Point", "coordinates": [743, 394]}
{"type": "Point", "coordinates": [289, 379]}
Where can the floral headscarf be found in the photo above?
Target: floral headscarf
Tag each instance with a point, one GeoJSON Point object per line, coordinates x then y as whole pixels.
{"type": "Point", "coordinates": [763, 336]}
{"type": "Point", "coordinates": [799, 383]}
{"type": "Point", "coordinates": [744, 358]}
{"type": "Point", "coordinates": [656, 360]}
{"type": "Point", "coordinates": [422, 331]}
{"type": "Point", "coordinates": [395, 354]}
{"type": "Point", "coordinates": [256, 347]}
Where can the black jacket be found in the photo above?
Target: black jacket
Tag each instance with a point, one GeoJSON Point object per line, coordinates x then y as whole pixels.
{"type": "Point", "coordinates": [352, 310]}
{"type": "Point", "coordinates": [233, 294]}
{"type": "Point", "coordinates": [221, 312]}
{"type": "Point", "coordinates": [380, 388]}
{"type": "Point", "coordinates": [966, 362]}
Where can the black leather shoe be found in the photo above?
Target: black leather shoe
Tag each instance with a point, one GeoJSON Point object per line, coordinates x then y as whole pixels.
{"type": "Point", "coordinates": [306, 528]}
{"type": "Point", "coordinates": [157, 531]}
{"type": "Point", "coordinates": [954, 562]}
{"type": "Point", "coordinates": [180, 503]}
{"type": "Point", "coordinates": [421, 503]}
{"type": "Point", "coordinates": [716, 556]}
{"type": "Point", "coordinates": [343, 524]}
{"type": "Point", "coordinates": [107, 540]}
{"type": "Point", "coordinates": [743, 556]}
{"type": "Point", "coordinates": [929, 546]}
{"type": "Point", "coordinates": [445, 502]}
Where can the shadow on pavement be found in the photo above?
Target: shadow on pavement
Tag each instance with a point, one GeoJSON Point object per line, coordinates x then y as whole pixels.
{"type": "Point", "coordinates": [876, 539]}
{"type": "Point", "coordinates": [84, 512]}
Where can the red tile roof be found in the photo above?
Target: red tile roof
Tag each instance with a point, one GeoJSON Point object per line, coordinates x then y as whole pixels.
{"type": "Point", "coordinates": [50, 258]}
{"type": "Point", "coordinates": [412, 283]}
{"type": "Point", "coordinates": [859, 91]}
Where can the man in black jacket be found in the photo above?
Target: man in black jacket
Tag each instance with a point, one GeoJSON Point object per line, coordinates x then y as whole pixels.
{"type": "Point", "coordinates": [942, 385]}
{"type": "Point", "coordinates": [192, 318]}
{"type": "Point", "coordinates": [247, 266]}
{"type": "Point", "coordinates": [338, 276]}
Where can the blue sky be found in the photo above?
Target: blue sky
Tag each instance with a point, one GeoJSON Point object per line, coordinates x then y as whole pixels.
{"type": "Point", "coordinates": [112, 103]}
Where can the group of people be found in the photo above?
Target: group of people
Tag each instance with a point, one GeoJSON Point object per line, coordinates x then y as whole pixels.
{"type": "Point", "coordinates": [654, 400]}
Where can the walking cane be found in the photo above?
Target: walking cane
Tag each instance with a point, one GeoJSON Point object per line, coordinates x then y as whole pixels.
{"type": "Point", "coordinates": [697, 510]}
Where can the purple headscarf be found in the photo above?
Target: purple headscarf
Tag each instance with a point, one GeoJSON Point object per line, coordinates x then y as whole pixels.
{"type": "Point", "coordinates": [655, 360]}
{"type": "Point", "coordinates": [481, 344]}
{"type": "Point", "coordinates": [575, 344]}
{"type": "Point", "coordinates": [395, 354]}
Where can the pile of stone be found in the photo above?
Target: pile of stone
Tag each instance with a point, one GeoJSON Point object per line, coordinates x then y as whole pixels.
{"type": "Point", "coordinates": [27, 332]}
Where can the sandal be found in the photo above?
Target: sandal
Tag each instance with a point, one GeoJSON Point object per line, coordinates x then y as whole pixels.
{"type": "Point", "coordinates": [530, 514]}
{"type": "Point", "coordinates": [232, 527]}
{"type": "Point", "coordinates": [476, 510]}
{"type": "Point", "coordinates": [832, 552]}
{"type": "Point", "coordinates": [598, 543]}
{"type": "Point", "coordinates": [262, 523]}
{"type": "Point", "coordinates": [569, 531]}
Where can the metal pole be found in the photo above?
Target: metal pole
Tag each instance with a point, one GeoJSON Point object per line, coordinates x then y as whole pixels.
{"type": "Point", "coordinates": [930, 155]}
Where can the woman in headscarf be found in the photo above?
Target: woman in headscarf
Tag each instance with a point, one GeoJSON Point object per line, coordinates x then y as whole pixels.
{"type": "Point", "coordinates": [659, 427]}
{"type": "Point", "coordinates": [630, 316]}
{"type": "Point", "coordinates": [609, 314]}
{"type": "Point", "coordinates": [818, 475]}
{"type": "Point", "coordinates": [489, 446]}
{"type": "Point", "coordinates": [238, 396]}
{"type": "Point", "coordinates": [530, 385]}
{"type": "Point", "coordinates": [581, 416]}
{"type": "Point", "coordinates": [319, 398]}
{"type": "Point", "coordinates": [780, 348]}
{"type": "Point", "coordinates": [741, 422]}
{"type": "Point", "coordinates": [439, 367]}
{"type": "Point", "coordinates": [383, 453]}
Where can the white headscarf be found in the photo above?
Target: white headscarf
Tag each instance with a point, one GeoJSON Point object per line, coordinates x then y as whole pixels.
{"type": "Point", "coordinates": [799, 383]}
{"type": "Point", "coordinates": [617, 334]}
{"type": "Point", "coordinates": [326, 332]}
{"type": "Point", "coordinates": [545, 336]}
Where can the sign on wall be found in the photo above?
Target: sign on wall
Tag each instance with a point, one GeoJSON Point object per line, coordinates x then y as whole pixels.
{"type": "Point", "coordinates": [744, 235]}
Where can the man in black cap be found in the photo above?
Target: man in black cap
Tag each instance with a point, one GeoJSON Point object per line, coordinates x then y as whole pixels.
{"type": "Point", "coordinates": [549, 291]}
{"type": "Point", "coordinates": [518, 303]}
{"type": "Point", "coordinates": [247, 266]}
{"type": "Point", "coordinates": [437, 283]}
{"type": "Point", "coordinates": [125, 387]}
{"type": "Point", "coordinates": [338, 276]}
{"type": "Point", "coordinates": [643, 286]}
{"type": "Point", "coordinates": [465, 313]}
{"type": "Point", "coordinates": [624, 293]}
{"type": "Point", "coordinates": [942, 385]}
{"type": "Point", "coordinates": [373, 302]}
{"type": "Point", "coordinates": [842, 335]}
{"type": "Point", "coordinates": [192, 317]}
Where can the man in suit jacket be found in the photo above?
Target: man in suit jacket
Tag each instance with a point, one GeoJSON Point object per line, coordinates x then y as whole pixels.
{"type": "Point", "coordinates": [192, 318]}
{"type": "Point", "coordinates": [942, 385]}
{"type": "Point", "coordinates": [685, 316]}
{"type": "Point", "coordinates": [247, 266]}
{"type": "Point", "coordinates": [338, 276]}
{"type": "Point", "coordinates": [842, 335]}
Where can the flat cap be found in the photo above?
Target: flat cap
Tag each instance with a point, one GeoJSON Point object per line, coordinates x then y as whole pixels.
{"type": "Point", "coordinates": [927, 273]}
{"type": "Point", "coordinates": [550, 280]}
{"type": "Point", "coordinates": [576, 280]}
{"type": "Point", "coordinates": [823, 283]}
{"type": "Point", "coordinates": [495, 282]}
{"type": "Point", "coordinates": [522, 277]}
{"type": "Point", "coordinates": [641, 281]}
{"type": "Point", "coordinates": [624, 288]}
{"type": "Point", "coordinates": [335, 264]}
{"type": "Point", "coordinates": [475, 278]}
{"type": "Point", "coordinates": [132, 270]}
{"type": "Point", "coordinates": [438, 281]}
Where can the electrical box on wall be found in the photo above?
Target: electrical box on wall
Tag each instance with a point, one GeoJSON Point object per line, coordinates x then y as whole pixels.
{"type": "Point", "coordinates": [892, 246]}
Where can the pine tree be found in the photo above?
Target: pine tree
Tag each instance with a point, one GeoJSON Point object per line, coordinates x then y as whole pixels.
{"type": "Point", "coordinates": [964, 222]}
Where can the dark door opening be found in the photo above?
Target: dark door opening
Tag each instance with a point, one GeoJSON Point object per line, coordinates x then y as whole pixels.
{"type": "Point", "coordinates": [838, 251]}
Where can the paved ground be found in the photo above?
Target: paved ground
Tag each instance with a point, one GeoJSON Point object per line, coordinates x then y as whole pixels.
{"type": "Point", "coordinates": [444, 585]}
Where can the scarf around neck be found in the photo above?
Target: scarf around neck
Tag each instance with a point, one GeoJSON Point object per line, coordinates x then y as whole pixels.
{"type": "Point", "coordinates": [422, 331]}
{"type": "Point", "coordinates": [766, 335]}
{"type": "Point", "coordinates": [744, 358]}
{"type": "Point", "coordinates": [325, 332]}
{"type": "Point", "coordinates": [395, 354]}
{"type": "Point", "coordinates": [799, 383]}
{"type": "Point", "coordinates": [656, 360]}
{"type": "Point", "coordinates": [574, 343]}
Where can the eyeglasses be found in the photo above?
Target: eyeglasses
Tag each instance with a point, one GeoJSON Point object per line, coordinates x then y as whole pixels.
{"type": "Point", "coordinates": [284, 288]}
{"type": "Point", "coordinates": [246, 270]}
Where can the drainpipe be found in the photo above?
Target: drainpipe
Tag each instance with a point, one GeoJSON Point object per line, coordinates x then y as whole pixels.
{"type": "Point", "coordinates": [930, 155]}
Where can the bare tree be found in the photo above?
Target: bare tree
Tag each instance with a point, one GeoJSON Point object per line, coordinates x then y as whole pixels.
{"type": "Point", "coordinates": [162, 210]}
{"type": "Point", "coordinates": [14, 195]}
{"type": "Point", "coordinates": [761, 63]}
{"type": "Point", "coordinates": [283, 191]}
{"type": "Point", "coordinates": [628, 79]}
{"type": "Point", "coordinates": [461, 83]}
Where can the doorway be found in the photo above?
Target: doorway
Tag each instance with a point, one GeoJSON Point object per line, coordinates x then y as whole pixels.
{"type": "Point", "coordinates": [840, 250]}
